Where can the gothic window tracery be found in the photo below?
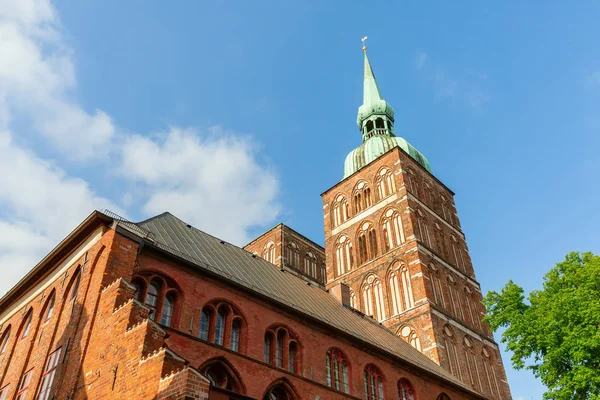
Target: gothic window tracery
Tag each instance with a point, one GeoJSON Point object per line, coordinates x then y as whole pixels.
{"type": "Point", "coordinates": [393, 230]}
{"type": "Point", "coordinates": [269, 252]}
{"type": "Point", "coordinates": [472, 365]}
{"type": "Point", "coordinates": [451, 352]}
{"type": "Point", "coordinates": [400, 288]}
{"type": "Point", "coordinates": [222, 323]}
{"type": "Point", "coordinates": [362, 197]}
{"type": "Point", "coordinates": [409, 334]}
{"type": "Point", "coordinates": [373, 382]}
{"type": "Point", "coordinates": [282, 348]}
{"type": "Point", "coordinates": [337, 370]}
{"type": "Point", "coordinates": [367, 243]}
{"type": "Point", "coordinates": [385, 183]}
{"type": "Point", "coordinates": [341, 211]}
{"type": "Point", "coordinates": [222, 375]}
{"type": "Point", "coordinates": [436, 285]}
{"type": "Point", "coordinates": [492, 386]}
{"type": "Point", "coordinates": [344, 255]}
{"type": "Point", "coordinates": [373, 298]}
{"type": "Point", "coordinates": [293, 255]}
{"type": "Point", "coordinates": [159, 294]}
{"type": "Point", "coordinates": [405, 390]}
{"type": "Point", "coordinates": [310, 264]}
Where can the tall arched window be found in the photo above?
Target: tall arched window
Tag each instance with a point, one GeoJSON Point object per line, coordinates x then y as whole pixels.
{"type": "Point", "coordinates": [267, 347]}
{"type": "Point", "coordinates": [205, 323]}
{"type": "Point", "coordinates": [336, 368]}
{"type": "Point", "coordinates": [310, 264]}
{"type": "Point", "coordinates": [451, 353]}
{"type": "Point", "coordinates": [405, 390]}
{"type": "Point", "coordinates": [341, 211]}
{"type": "Point", "coordinates": [393, 231]}
{"type": "Point", "coordinates": [75, 288]}
{"type": "Point", "coordinates": [367, 243]}
{"type": "Point", "coordinates": [167, 309]}
{"type": "Point", "coordinates": [343, 255]}
{"type": "Point", "coordinates": [222, 324]}
{"type": "Point", "coordinates": [293, 257]}
{"type": "Point", "coordinates": [402, 295]}
{"type": "Point", "coordinates": [373, 380]}
{"type": "Point", "coordinates": [454, 297]}
{"type": "Point", "coordinates": [27, 325]}
{"type": "Point", "coordinates": [353, 302]}
{"type": "Point", "coordinates": [293, 349]}
{"type": "Point", "coordinates": [409, 334]}
{"type": "Point", "coordinates": [269, 252]}
{"type": "Point", "coordinates": [5, 339]}
{"type": "Point", "coordinates": [385, 183]}
{"type": "Point", "coordinates": [472, 366]}
{"type": "Point", "coordinates": [362, 197]}
{"type": "Point", "coordinates": [282, 348]}
{"type": "Point", "coordinates": [373, 298]}
{"type": "Point", "coordinates": [50, 308]}
{"type": "Point", "coordinates": [152, 298]}
{"type": "Point", "coordinates": [236, 328]}
{"type": "Point", "coordinates": [279, 349]}
{"type": "Point", "coordinates": [443, 396]}
{"type": "Point", "coordinates": [490, 374]}
{"type": "Point", "coordinates": [278, 392]}
{"type": "Point", "coordinates": [436, 286]}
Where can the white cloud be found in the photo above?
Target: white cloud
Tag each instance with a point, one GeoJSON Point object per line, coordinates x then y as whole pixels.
{"type": "Point", "coordinates": [37, 79]}
{"type": "Point", "coordinates": [39, 205]}
{"type": "Point", "coordinates": [210, 179]}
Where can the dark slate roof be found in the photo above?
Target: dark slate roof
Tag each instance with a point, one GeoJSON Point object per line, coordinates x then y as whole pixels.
{"type": "Point", "coordinates": [207, 252]}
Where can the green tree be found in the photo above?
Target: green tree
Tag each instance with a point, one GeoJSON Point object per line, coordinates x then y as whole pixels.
{"type": "Point", "coordinates": [556, 332]}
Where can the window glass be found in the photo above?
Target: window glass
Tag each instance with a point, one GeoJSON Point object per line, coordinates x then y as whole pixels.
{"type": "Point", "coordinates": [49, 373]}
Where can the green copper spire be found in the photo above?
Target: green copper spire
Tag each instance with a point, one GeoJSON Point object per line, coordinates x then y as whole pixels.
{"type": "Point", "coordinates": [371, 91]}
{"type": "Point", "coordinates": [376, 122]}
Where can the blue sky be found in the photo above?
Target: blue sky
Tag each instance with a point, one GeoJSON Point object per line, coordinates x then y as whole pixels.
{"type": "Point", "coordinates": [236, 115]}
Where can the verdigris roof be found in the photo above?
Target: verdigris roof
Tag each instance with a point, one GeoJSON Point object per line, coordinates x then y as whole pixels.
{"type": "Point", "coordinates": [230, 262]}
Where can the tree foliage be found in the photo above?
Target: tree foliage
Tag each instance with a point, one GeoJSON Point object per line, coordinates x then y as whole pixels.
{"type": "Point", "coordinates": [556, 332]}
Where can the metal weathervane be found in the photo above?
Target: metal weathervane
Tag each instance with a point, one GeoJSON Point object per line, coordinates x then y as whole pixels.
{"type": "Point", "coordinates": [363, 42]}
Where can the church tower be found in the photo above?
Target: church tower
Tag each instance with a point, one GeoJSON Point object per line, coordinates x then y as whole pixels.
{"type": "Point", "coordinates": [395, 250]}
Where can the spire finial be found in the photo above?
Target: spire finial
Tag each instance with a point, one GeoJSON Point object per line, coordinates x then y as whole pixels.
{"type": "Point", "coordinates": [363, 42]}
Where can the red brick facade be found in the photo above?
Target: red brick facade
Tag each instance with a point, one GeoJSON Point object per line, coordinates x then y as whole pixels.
{"type": "Point", "coordinates": [98, 282]}
{"type": "Point", "coordinates": [392, 235]}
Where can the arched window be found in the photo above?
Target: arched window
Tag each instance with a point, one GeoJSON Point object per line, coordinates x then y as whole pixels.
{"type": "Point", "coordinates": [353, 303]}
{"type": "Point", "coordinates": [75, 288]}
{"type": "Point", "coordinates": [343, 255]}
{"type": "Point", "coordinates": [362, 197]}
{"type": "Point", "coordinates": [379, 123]}
{"type": "Point", "coordinates": [279, 350]}
{"type": "Point", "coordinates": [373, 298]}
{"type": "Point", "coordinates": [50, 308]}
{"type": "Point", "coordinates": [167, 309]}
{"type": "Point", "coordinates": [293, 348]}
{"type": "Point", "coordinates": [205, 323]}
{"type": "Point", "coordinates": [369, 126]}
{"type": "Point", "coordinates": [267, 347]}
{"type": "Point", "coordinates": [310, 264]}
{"type": "Point", "coordinates": [454, 297]}
{"type": "Point", "coordinates": [293, 257]}
{"type": "Point", "coordinates": [393, 231]}
{"type": "Point", "coordinates": [373, 380]}
{"type": "Point", "coordinates": [451, 354]}
{"type": "Point", "coordinates": [27, 325]}
{"type": "Point", "coordinates": [152, 298]}
{"type": "Point", "coordinates": [367, 243]}
{"type": "Point", "coordinates": [5, 339]}
{"type": "Point", "coordinates": [385, 183]}
{"type": "Point", "coordinates": [443, 396]}
{"type": "Point", "coordinates": [220, 327]}
{"type": "Point", "coordinates": [223, 324]}
{"type": "Point", "coordinates": [222, 375]}
{"type": "Point", "coordinates": [423, 229]}
{"type": "Point", "coordinates": [490, 373]}
{"type": "Point", "coordinates": [405, 390]}
{"type": "Point", "coordinates": [278, 392]}
{"type": "Point", "coordinates": [402, 295]}
{"type": "Point", "coordinates": [472, 366]}
{"type": "Point", "coordinates": [436, 286]}
{"type": "Point", "coordinates": [236, 328]}
{"type": "Point", "coordinates": [409, 334]}
{"type": "Point", "coordinates": [269, 252]}
{"type": "Point", "coordinates": [285, 351]}
{"type": "Point", "coordinates": [341, 211]}
{"type": "Point", "coordinates": [336, 368]}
